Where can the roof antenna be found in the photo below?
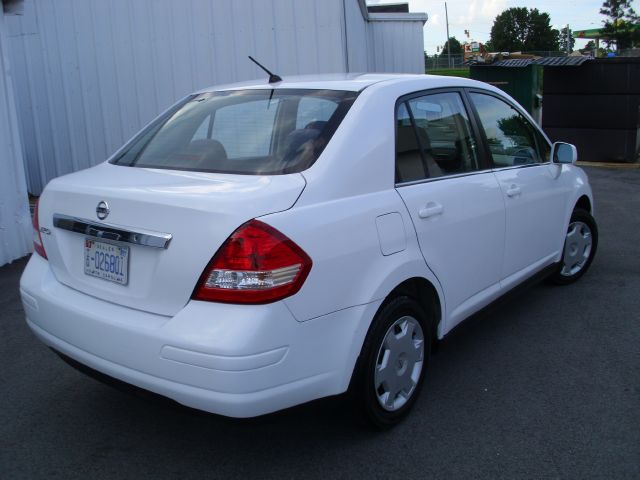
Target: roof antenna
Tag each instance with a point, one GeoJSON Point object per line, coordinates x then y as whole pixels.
{"type": "Point", "coordinates": [273, 78]}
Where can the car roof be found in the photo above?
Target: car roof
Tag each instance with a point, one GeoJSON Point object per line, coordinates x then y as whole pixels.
{"type": "Point", "coordinates": [346, 81]}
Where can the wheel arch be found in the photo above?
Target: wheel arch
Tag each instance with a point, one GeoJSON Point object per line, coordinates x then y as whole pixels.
{"type": "Point", "coordinates": [580, 196]}
{"type": "Point", "coordinates": [583, 203]}
{"type": "Point", "coordinates": [425, 293]}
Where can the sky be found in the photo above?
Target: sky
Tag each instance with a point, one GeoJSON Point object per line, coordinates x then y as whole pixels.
{"type": "Point", "coordinates": [477, 16]}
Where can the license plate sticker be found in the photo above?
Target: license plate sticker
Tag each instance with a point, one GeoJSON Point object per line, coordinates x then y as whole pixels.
{"type": "Point", "coordinates": [106, 261]}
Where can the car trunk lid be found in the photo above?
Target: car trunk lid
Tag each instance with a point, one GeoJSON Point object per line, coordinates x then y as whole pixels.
{"type": "Point", "coordinates": [192, 212]}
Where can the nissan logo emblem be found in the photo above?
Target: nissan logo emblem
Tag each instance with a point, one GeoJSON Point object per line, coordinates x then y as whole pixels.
{"type": "Point", "coordinates": [102, 210]}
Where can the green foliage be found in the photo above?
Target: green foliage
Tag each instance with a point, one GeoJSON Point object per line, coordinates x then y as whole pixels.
{"type": "Point", "coordinates": [590, 49]}
{"type": "Point", "coordinates": [514, 128]}
{"type": "Point", "coordinates": [522, 29]}
{"type": "Point", "coordinates": [622, 26]}
{"type": "Point", "coordinates": [566, 40]}
{"type": "Point", "coordinates": [456, 47]}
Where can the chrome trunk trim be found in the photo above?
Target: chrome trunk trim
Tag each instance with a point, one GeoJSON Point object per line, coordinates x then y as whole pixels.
{"type": "Point", "coordinates": [111, 232]}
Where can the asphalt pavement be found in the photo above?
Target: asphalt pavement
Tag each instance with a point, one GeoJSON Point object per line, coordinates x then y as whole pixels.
{"type": "Point", "coordinates": [547, 385]}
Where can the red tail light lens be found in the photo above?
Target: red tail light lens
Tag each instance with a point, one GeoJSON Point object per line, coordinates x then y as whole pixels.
{"type": "Point", "coordinates": [37, 239]}
{"type": "Point", "coordinates": [256, 264]}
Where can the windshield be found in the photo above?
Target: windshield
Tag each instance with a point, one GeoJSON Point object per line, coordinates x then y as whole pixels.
{"type": "Point", "coordinates": [252, 132]}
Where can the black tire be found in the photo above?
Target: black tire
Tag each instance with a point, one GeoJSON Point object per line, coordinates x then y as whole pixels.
{"type": "Point", "coordinates": [362, 390]}
{"type": "Point", "coordinates": [564, 278]}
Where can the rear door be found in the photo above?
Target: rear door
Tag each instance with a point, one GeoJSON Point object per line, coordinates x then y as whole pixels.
{"type": "Point", "coordinates": [454, 200]}
{"type": "Point", "coordinates": [533, 193]}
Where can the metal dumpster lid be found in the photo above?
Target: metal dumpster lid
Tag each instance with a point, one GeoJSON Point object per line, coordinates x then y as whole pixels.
{"type": "Point", "coordinates": [545, 61]}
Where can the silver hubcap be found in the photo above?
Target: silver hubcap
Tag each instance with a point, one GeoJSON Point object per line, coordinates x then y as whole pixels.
{"type": "Point", "coordinates": [577, 248]}
{"type": "Point", "coordinates": [399, 363]}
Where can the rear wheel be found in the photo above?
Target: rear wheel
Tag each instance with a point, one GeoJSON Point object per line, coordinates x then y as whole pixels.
{"type": "Point", "coordinates": [391, 367]}
{"type": "Point", "coordinates": [581, 242]}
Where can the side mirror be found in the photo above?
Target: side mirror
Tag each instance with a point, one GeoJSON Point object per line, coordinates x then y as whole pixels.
{"type": "Point", "coordinates": [564, 153]}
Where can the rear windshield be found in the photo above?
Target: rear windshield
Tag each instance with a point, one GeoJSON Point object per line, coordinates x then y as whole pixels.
{"type": "Point", "coordinates": [252, 132]}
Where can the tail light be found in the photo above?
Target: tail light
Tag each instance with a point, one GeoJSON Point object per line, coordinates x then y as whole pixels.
{"type": "Point", "coordinates": [256, 264]}
{"type": "Point", "coordinates": [37, 238]}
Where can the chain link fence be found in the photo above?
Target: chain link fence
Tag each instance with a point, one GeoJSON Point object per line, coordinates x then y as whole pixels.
{"type": "Point", "coordinates": [440, 62]}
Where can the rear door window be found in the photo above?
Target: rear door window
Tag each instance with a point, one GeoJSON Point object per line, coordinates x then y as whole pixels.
{"type": "Point", "coordinates": [434, 138]}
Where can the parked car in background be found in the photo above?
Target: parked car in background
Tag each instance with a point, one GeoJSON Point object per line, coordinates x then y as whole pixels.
{"type": "Point", "coordinates": [262, 245]}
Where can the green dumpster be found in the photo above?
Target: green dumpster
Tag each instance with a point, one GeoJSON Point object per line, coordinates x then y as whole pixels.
{"type": "Point", "coordinates": [523, 83]}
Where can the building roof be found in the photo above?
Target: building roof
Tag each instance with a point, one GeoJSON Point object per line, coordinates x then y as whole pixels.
{"type": "Point", "coordinates": [389, 8]}
{"type": "Point", "coordinates": [396, 13]}
{"type": "Point", "coordinates": [12, 7]}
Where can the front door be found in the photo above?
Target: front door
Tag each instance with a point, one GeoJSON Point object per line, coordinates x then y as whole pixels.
{"type": "Point", "coordinates": [533, 193]}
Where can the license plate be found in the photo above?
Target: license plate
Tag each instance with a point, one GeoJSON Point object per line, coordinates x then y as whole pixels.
{"type": "Point", "coordinates": [106, 261]}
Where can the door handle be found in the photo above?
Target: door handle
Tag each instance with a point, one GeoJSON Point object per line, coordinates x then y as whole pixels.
{"type": "Point", "coordinates": [513, 190]}
{"type": "Point", "coordinates": [431, 209]}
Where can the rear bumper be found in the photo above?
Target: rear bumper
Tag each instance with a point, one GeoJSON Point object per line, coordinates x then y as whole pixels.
{"type": "Point", "coordinates": [234, 360]}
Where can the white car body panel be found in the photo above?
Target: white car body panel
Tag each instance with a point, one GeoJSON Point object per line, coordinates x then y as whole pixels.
{"type": "Point", "coordinates": [231, 359]}
{"type": "Point", "coordinates": [199, 210]}
{"type": "Point", "coordinates": [343, 241]}
{"type": "Point", "coordinates": [532, 216]}
{"type": "Point", "coordinates": [577, 183]}
{"type": "Point", "coordinates": [463, 244]}
{"type": "Point", "coordinates": [362, 232]}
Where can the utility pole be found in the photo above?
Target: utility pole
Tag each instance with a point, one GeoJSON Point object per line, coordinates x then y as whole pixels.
{"type": "Point", "coordinates": [446, 14]}
{"type": "Point", "coordinates": [568, 40]}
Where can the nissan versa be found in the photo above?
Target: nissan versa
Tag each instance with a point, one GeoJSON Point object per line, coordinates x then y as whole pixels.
{"type": "Point", "coordinates": [261, 245]}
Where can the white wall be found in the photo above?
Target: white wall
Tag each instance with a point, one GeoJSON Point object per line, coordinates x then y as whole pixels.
{"type": "Point", "coordinates": [91, 73]}
{"type": "Point", "coordinates": [384, 42]}
{"type": "Point", "coordinates": [356, 38]}
{"type": "Point", "coordinates": [396, 42]}
{"type": "Point", "coordinates": [15, 221]}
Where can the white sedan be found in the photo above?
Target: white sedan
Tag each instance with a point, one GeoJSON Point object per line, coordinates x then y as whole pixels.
{"type": "Point", "coordinates": [261, 245]}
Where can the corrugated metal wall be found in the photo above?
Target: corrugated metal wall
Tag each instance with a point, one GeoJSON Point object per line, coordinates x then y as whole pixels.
{"type": "Point", "coordinates": [396, 46]}
{"type": "Point", "coordinates": [92, 72]}
{"type": "Point", "coordinates": [387, 42]}
{"type": "Point", "coordinates": [15, 221]}
{"type": "Point", "coordinates": [356, 38]}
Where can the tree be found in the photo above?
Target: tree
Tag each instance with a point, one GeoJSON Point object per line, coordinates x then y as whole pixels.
{"type": "Point", "coordinates": [456, 47]}
{"type": "Point", "coordinates": [622, 28]}
{"type": "Point", "coordinates": [522, 29]}
{"type": "Point", "coordinates": [590, 47]}
{"type": "Point", "coordinates": [566, 40]}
